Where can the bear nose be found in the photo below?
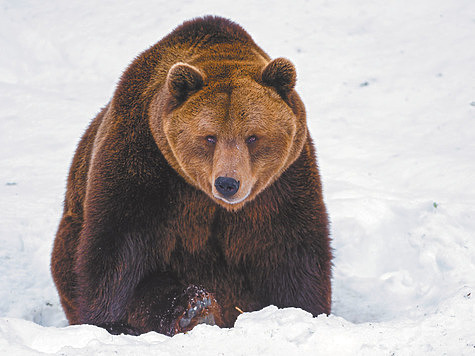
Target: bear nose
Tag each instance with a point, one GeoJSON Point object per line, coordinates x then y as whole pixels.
{"type": "Point", "coordinates": [226, 186]}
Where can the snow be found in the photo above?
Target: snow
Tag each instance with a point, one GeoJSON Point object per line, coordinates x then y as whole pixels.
{"type": "Point", "coordinates": [390, 94]}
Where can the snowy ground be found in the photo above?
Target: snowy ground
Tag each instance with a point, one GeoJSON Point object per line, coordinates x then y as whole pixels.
{"type": "Point", "coordinates": [390, 93]}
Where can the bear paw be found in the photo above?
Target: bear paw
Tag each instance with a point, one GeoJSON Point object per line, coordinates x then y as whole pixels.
{"type": "Point", "coordinates": [202, 308]}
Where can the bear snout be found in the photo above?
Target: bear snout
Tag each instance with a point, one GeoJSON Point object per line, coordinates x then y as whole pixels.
{"type": "Point", "coordinates": [226, 186]}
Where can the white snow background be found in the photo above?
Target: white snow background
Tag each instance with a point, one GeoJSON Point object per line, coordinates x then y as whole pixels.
{"type": "Point", "coordinates": [389, 88]}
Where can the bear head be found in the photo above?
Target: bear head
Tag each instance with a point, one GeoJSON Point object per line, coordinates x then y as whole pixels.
{"type": "Point", "coordinates": [229, 128]}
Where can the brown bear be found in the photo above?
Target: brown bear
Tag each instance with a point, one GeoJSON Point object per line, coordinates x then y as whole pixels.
{"type": "Point", "coordinates": [194, 194]}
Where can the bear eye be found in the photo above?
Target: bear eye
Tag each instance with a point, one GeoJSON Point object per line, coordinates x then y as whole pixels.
{"type": "Point", "coordinates": [211, 139]}
{"type": "Point", "coordinates": [251, 139]}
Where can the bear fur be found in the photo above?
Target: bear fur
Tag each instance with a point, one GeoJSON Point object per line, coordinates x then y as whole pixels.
{"type": "Point", "coordinates": [195, 193]}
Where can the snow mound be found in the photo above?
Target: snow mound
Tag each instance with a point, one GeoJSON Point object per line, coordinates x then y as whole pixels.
{"type": "Point", "coordinates": [271, 331]}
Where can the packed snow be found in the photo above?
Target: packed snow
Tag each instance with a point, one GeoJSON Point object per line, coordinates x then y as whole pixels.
{"type": "Point", "coordinates": [389, 88]}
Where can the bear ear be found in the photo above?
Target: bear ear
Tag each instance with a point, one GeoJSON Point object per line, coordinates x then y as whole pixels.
{"type": "Point", "coordinates": [183, 79]}
{"type": "Point", "coordinates": [280, 73]}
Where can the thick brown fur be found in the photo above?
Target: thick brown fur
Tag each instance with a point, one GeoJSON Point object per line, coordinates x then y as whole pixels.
{"type": "Point", "coordinates": [145, 236]}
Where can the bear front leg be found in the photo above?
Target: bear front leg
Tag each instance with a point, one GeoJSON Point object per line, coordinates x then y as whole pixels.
{"type": "Point", "coordinates": [162, 304]}
{"type": "Point", "coordinates": [302, 282]}
{"type": "Point", "coordinates": [106, 279]}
